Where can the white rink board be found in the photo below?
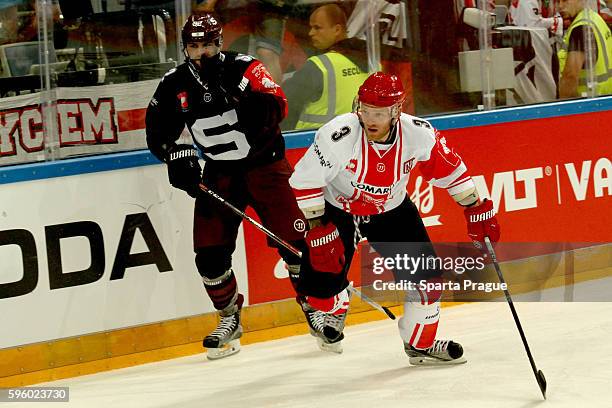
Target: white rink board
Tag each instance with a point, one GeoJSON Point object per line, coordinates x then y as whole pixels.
{"type": "Point", "coordinates": [143, 295]}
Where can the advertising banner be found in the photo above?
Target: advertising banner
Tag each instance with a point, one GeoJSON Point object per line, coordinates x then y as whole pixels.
{"type": "Point", "coordinates": [90, 120]}
{"type": "Point", "coordinates": [97, 252]}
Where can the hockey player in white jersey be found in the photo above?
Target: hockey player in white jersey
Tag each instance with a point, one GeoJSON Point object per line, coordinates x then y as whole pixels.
{"type": "Point", "coordinates": [528, 13]}
{"type": "Point", "coordinates": [351, 183]}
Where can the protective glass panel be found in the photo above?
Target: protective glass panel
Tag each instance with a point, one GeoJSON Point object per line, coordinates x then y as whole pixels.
{"type": "Point", "coordinates": [560, 49]}
{"type": "Point", "coordinates": [76, 77]}
{"type": "Point", "coordinates": [19, 83]}
{"type": "Point", "coordinates": [18, 46]}
{"type": "Point", "coordinates": [317, 52]}
{"type": "Point", "coordinates": [94, 64]}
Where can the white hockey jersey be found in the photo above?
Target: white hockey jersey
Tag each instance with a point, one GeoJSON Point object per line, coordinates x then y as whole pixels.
{"type": "Point", "coordinates": [392, 20]}
{"type": "Point", "coordinates": [365, 178]}
{"type": "Point", "coordinates": [528, 13]}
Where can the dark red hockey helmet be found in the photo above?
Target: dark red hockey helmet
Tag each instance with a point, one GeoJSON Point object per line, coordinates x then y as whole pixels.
{"type": "Point", "coordinates": [381, 89]}
{"type": "Point", "coordinates": [201, 27]}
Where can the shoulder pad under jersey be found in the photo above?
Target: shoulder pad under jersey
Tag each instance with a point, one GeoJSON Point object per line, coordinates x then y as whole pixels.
{"type": "Point", "coordinates": [236, 58]}
{"type": "Point", "coordinates": [175, 73]}
{"type": "Point", "coordinates": [244, 57]}
{"type": "Point", "coordinates": [170, 73]}
{"type": "Point", "coordinates": [340, 130]}
{"type": "Point", "coordinates": [236, 64]}
{"type": "Point", "coordinates": [415, 122]}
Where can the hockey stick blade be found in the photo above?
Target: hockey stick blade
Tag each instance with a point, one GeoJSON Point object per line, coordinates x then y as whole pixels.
{"type": "Point", "coordinates": [542, 382]}
{"type": "Point", "coordinates": [539, 375]}
{"type": "Point", "coordinates": [388, 312]}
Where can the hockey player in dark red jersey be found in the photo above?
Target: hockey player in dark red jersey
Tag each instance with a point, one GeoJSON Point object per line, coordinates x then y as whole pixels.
{"type": "Point", "coordinates": [232, 108]}
{"type": "Point", "coordinates": [351, 183]}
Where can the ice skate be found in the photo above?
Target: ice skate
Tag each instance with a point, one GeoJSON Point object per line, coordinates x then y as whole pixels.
{"type": "Point", "coordinates": [334, 322]}
{"type": "Point", "coordinates": [316, 324]}
{"type": "Point", "coordinates": [224, 340]}
{"type": "Point", "coordinates": [331, 346]}
{"type": "Point", "coordinates": [334, 325]}
{"type": "Point", "coordinates": [442, 352]}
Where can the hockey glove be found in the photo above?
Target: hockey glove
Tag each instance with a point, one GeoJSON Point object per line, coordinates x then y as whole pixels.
{"type": "Point", "coordinates": [481, 223]}
{"type": "Point", "coordinates": [184, 170]}
{"type": "Point", "coordinates": [325, 248]}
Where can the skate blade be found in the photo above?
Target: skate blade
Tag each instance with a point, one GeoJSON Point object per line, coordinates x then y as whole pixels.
{"type": "Point", "coordinates": [330, 347]}
{"type": "Point", "coordinates": [430, 361]}
{"type": "Point", "coordinates": [226, 350]}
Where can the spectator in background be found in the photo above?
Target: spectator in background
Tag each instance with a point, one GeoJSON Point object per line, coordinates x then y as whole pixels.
{"type": "Point", "coordinates": [392, 21]}
{"type": "Point", "coordinates": [461, 4]}
{"type": "Point", "coordinates": [587, 36]}
{"type": "Point", "coordinates": [327, 83]}
{"type": "Point", "coordinates": [530, 13]}
{"type": "Point", "coordinates": [8, 20]}
{"type": "Point", "coordinates": [18, 19]}
{"type": "Point", "coordinates": [267, 18]}
{"type": "Point", "coordinates": [604, 11]}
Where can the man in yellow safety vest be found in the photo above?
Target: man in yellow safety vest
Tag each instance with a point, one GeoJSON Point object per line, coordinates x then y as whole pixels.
{"type": "Point", "coordinates": [586, 43]}
{"type": "Point", "coordinates": [327, 83]}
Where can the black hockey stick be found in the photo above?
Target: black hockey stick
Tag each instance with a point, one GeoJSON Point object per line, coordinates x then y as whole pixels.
{"type": "Point", "coordinates": [290, 247]}
{"type": "Point", "coordinates": [372, 303]}
{"type": "Point", "coordinates": [539, 375]}
{"type": "Point", "coordinates": [260, 227]}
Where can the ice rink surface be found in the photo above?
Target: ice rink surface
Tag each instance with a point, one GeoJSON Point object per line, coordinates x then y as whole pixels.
{"type": "Point", "coordinates": [570, 342]}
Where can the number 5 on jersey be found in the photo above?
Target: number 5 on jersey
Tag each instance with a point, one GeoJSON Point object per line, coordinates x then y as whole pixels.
{"type": "Point", "coordinates": [219, 138]}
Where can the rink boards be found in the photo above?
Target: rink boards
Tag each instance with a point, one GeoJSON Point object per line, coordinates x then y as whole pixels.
{"type": "Point", "coordinates": [96, 254]}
